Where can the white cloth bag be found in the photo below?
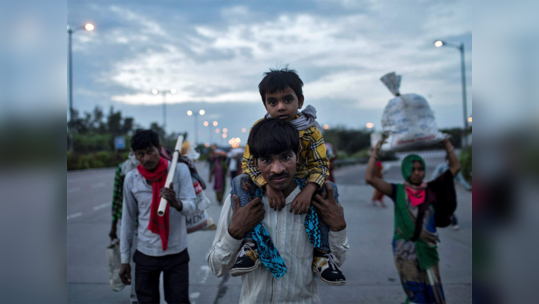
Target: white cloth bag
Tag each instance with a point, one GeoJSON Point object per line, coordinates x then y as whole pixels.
{"type": "Point", "coordinates": [408, 119]}
{"type": "Point", "coordinates": [200, 220]}
{"type": "Point", "coordinates": [114, 263]}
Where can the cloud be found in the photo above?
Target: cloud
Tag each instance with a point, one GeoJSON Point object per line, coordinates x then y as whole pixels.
{"type": "Point", "coordinates": [339, 56]}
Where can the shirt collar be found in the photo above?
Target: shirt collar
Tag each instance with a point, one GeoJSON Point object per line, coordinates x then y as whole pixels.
{"type": "Point", "coordinates": [292, 195]}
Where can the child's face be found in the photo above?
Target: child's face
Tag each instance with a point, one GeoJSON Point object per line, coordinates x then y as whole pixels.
{"type": "Point", "coordinates": [283, 104]}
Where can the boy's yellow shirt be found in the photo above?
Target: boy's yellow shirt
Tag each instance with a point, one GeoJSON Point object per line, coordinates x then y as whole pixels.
{"type": "Point", "coordinates": [313, 162]}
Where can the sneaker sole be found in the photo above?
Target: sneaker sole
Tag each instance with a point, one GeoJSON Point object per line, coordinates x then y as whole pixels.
{"type": "Point", "coordinates": [338, 283]}
{"type": "Point", "coordinates": [239, 272]}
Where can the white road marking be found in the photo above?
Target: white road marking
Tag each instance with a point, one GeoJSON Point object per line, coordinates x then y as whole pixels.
{"type": "Point", "coordinates": [71, 190]}
{"type": "Point", "coordinates": [206, 270]}
{"type": "Point", "coordinates": [194, 295]}
{"type": "Point", "coordinates": [101, 206]}
{"type": "Point", "coordinates": [74, 215]}
{"type": "Point", "coordinates": [99, 185]}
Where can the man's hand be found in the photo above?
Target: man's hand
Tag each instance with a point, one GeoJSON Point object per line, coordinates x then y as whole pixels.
{"type": "Point", "coordinates": [170, 195]}
{"type": "Point", "coordinates": [112, 233]}
{"type": "Point", "coordinates": [245, 219]}
{"type": "Point", "coordinates": [276, 198]}
{"type": "Point", "coordinates": [330, 211]}
{"type": "Point", "coordinates": [302, 202]}
{"type": "Point", "coordinates": [125, 274]}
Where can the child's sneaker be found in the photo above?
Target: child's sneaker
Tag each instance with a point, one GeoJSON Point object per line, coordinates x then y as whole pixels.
{"type": "Point", "coordinates": [246, 261]}
{"type": "Point", "coordinates": [325, 265]}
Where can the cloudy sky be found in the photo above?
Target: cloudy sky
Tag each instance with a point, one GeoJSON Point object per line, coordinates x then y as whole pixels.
{"type": "Point", "coordinates": [214, 53]}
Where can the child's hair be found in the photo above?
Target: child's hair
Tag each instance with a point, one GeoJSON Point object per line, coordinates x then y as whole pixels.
{"type": "Point", "coordinates": [273, 136]}
{"type": "Point", "coordinates": [143, 139]}
{"type": "Point", "coordinates": [278, 80]}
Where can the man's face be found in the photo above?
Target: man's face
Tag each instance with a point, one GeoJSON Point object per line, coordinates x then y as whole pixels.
{"type": "Point", "coordinates": [149, 157]}
{"type": "Point", "coordinates": [283, 104]}
{"type": "Point", "coordinates": [278, 169]}
{"type": "Point", "coordinates": [418, 173]}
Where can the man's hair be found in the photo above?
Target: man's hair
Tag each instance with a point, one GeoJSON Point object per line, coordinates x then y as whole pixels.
{"type": "Point", "coordinates": [273, 136]}
{"type": "Point", "coordinates": [278, 80]}
{"type": "Point", "coordinates": [143, 139]}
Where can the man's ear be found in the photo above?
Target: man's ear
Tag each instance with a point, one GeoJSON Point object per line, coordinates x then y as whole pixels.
{"type": "Point", "coordinates": [300, 102]}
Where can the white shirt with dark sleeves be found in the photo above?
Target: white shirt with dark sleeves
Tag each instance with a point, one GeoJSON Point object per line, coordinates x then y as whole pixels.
{"type": "Point", "coordinates": [137, 205]}
{"type": "Point", "coordinates": [288, 233]}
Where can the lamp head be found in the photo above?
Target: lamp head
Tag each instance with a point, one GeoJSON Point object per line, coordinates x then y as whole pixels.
{"type": "Point", "coordinates": [438, 43]}
{"type": "Point", "coordinates": [89, 27]}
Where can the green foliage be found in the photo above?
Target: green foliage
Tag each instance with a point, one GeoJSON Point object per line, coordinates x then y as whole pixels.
{"type": "Point", "coordinates": [93, 142]}
{"type": "Point", "coordinates": [466, 162]}
{"type": "Point", "coordinates": [101, 159]}
{"type": "Point", "coordinates": [361, 154]}
{"type": "Point", "coordinates": [94, 136]}
{"type": "Point", "coordinates": [342, 155]}
{"type": "Point", "coordinates": [349, 141]}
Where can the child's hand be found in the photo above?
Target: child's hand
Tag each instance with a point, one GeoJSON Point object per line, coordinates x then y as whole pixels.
{"type": "Point", "coordinates": [275, 197]}
{"type": "Point", "coordinates": [302, 202]}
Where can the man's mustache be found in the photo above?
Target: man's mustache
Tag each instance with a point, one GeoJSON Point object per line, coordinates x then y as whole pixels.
{"type": "Point", "coordinates": [278, 176]}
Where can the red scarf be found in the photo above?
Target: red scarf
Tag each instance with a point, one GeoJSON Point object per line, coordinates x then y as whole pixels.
{"type": "Point", "coordinates": [158, 224]}
{"type": "Point", "coordinates": [416, 194]}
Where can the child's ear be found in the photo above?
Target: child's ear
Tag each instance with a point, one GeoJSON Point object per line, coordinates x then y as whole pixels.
{"type": "Point", "coordinates": [300, 102]}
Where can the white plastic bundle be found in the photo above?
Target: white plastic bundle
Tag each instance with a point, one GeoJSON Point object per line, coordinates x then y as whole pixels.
{"type": "Point", "coordinates": [408, 119]}
{"type": "Point", "coordinates": [201, 219]}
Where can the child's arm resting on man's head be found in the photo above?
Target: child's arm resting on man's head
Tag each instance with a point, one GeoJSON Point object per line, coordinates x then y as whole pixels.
{"type": "Point", "coordinates": [317, 164]}
{"type": "Point", "coordinates": [249, 167]}
{"type": "Point", "coordinates": [317, 160]}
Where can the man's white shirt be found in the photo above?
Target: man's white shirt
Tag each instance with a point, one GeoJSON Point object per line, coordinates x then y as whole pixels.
{"type": "Point", "coordinates": [288, 233]}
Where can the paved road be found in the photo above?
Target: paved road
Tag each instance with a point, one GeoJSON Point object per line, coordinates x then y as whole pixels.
{"type": "Point", "coordinates": [369, 267]}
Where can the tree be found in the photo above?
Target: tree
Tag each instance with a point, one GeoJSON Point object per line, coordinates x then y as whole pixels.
{"type": "Point", "coordinates": [92, 133]}
{"type": "Point", "coordinates": [348, 140]}
{"type": "Point", "coordinates": [159, 130]}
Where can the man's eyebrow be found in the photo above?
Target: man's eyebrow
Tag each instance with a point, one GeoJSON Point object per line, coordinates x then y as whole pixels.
{"type": "Point", "coordinates": [271, 98]}
{"type": "Point", "coordinates": [288, 96]}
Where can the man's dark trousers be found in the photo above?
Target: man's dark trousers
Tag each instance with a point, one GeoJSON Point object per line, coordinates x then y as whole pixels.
{"type": "Point", "coordinates": [175, 268]}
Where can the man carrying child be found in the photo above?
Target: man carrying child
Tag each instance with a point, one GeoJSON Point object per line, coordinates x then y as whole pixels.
{"type": "Point", "coordinates": [275, 148]}
{"type": "Point", "coordinates": [282, 96]}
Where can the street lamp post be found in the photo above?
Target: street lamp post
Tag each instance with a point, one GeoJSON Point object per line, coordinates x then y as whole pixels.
{"type": "Point", "coordinates": [89, 27]}
{"type": "Point", "coordinates": [195, 114]}
{"type": "Point", "coordinates": [460, 47]}
{"type": "Point", "coordinates": [164, 93]}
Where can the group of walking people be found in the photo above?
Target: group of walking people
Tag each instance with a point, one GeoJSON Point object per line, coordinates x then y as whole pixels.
{"type": "Point", "coordinates": [282, 224]}
{"type": "Point", "coordinates": [221, 164]}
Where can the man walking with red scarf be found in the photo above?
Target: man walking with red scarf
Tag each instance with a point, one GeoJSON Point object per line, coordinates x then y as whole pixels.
{"type": "Point", "coordinates": [162, 240]}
